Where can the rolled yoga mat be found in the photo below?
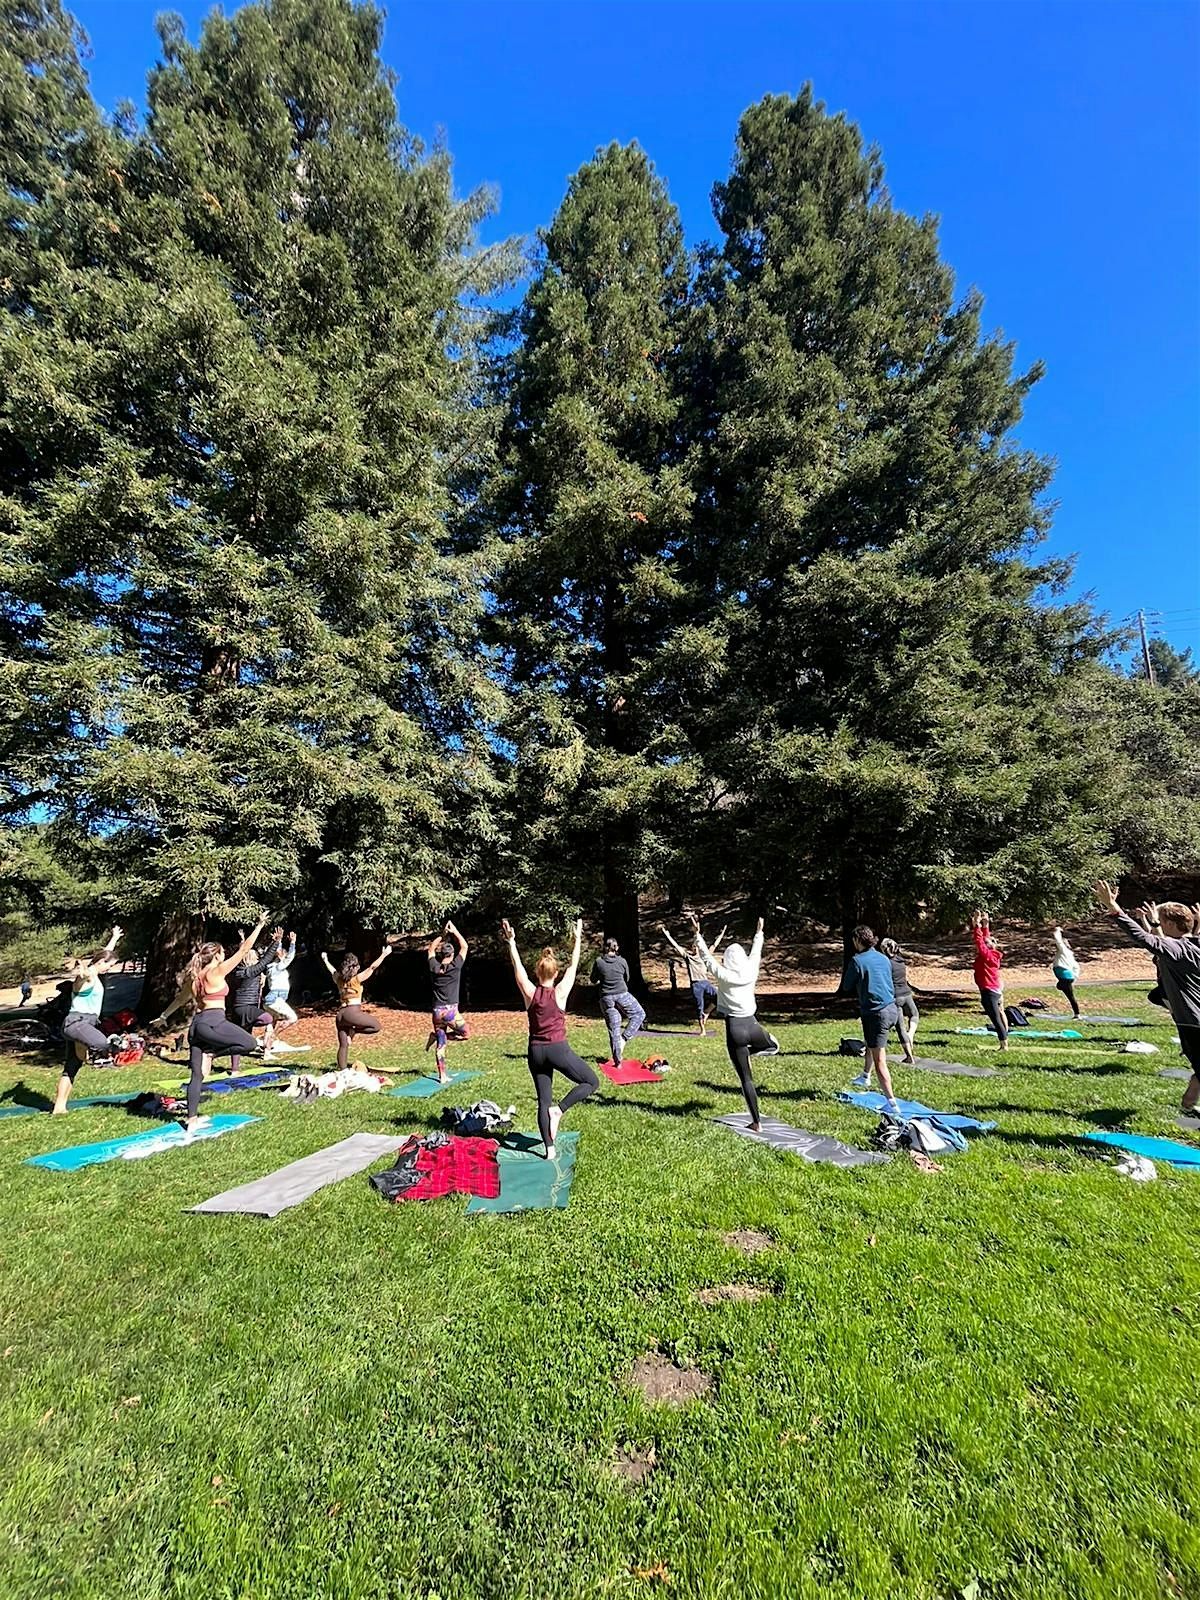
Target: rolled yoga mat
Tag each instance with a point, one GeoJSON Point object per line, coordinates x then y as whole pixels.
{"type": "Point", "coordinates": [421, 1088]}
{"type": "Point", "coordinates": [136, 1145]}
{"type": "Point", "coordinates": [279, 1191]}
{"type": "Point", "coordinates": [528, 1182]}
{"type": "Point", "coordinates": [799, 1142]}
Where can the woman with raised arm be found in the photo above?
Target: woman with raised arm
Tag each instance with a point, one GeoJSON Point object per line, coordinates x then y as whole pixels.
{"type": "Point", "coordinates": [278, 986]}
{"type": "Point", "coordinates": [445, 977]}
{"type": "Point", "coordinates": [211, 1032]}
{"type": "Point", "coordinates": [80, 1026]}
{"type": "Point", "coordinates": [549, 1052]}
{"type": "Point", "coordinates": [1066, 970]}
{"type": "Point", "coordinates": [906, 1005]}
{"type": "Point", "coordinates": [736, 977]}
{"type": "Point", "coordinates": [988, 956]}
{"type": "Point", "coordinates": [352, 1017]}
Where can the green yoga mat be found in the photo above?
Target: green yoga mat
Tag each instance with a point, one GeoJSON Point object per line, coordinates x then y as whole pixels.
{"type": "Point", "coordinates": [421, 1088]}
{"type": "Point", "coordinates": [82, 1104]}
{"type": "Point", "coordinates": [528, 1182]}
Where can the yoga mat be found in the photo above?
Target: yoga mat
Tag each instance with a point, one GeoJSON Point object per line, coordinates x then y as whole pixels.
{"type": "Point", "coordinates": [799, 1142]}
{"type": "Point", "coordinates": [1175, 1072]}
{"type": "Point", "coordinates": [528, 1182]}
{"type": "Point", "coordinates": [73, 1105]}
{"type": "Point", "coordinates": [135, 1145]}
{"type": "Point", "coordinates": [421, 1088]}
{"type": "Point", "coordinates": [675, 1033]}
{"type": "Point", "coordinates": [1025, 1033]}
{"type": "Point", "coordinates": [242, 1080]}
{"type": "Point", "coordinates": [1179, 1155]}
{"type": "Point", "coordinates": [1118, 1022]}
{"type": "Point", "coordinates": [279, 1191]}
{"type": "Point", "coordinates": [948, 1069]}
{"type": "Point", "coordinates": [913, 1109]}
{"type": "Point", "coordinates": [629, 1072]}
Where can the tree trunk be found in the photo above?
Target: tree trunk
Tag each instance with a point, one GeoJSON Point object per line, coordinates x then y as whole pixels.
{"type": "Point", "coordinates": [622, 922]}
{"type": "Point", "coordinates": [171, 949]}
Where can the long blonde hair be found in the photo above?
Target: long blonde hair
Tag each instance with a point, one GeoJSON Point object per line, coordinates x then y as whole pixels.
{"type": "Point", "coordinates": [200, 963]}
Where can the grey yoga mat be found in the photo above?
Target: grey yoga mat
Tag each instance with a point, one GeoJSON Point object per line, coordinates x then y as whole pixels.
{"type": "Point", "coordinates": [798, 1142]}
{"type": "Point", "coordinates": [948, 1069]}
{"type": "Point", "coordinates": [1174, 1072]}
{"type": "Point", "coordinates": [279, 1191]}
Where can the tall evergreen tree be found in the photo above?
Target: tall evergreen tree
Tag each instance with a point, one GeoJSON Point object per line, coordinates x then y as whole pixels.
{"type": "Point", "coordinates": [593, 506]}
{"type": "Point", "coordinates": [897, 728]}
{"type": "Point", "coordinates": [299, 714]}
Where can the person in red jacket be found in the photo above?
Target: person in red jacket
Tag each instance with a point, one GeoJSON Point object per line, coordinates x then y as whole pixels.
{"type": "Point", "coordinates": [988, 956]}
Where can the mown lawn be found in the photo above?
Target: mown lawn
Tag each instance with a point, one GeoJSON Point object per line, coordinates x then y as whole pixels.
{"type": "Point", "coordinates": [986, 1376]}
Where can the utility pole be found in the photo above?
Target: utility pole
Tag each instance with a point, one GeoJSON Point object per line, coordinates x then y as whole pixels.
{"type": "Point", "coordinates": [1146, 649]}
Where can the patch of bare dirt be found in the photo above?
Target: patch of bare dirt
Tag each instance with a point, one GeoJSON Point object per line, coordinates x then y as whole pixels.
{"type": "Point", "coordinates": [665, 1384]}
{"type": "Point", "coordinates": [634, 1466]}
{"type": "Point", "coordinates": [722, 1292]}
{"type": "Point", "coordinates": [749, 1241]}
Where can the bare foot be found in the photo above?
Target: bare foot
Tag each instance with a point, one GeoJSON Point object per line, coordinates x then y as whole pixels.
{"type": "Point", "coordinates": [908, 1060]}
{"type": "Point", "coordinates": [59, 1111]}
{"type": "Point", "coordinates": [551, 1153]}
{"type": "Point", "coordinates": [443, 1076]}
{"type": "Point", "coordinates": [555, 1120]}
{"type": "Point", "coordinates": [755, 1127]}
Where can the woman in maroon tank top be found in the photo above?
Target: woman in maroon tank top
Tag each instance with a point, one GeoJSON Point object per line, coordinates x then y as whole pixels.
{"type": "Point", "coordinates": [549, 1052]}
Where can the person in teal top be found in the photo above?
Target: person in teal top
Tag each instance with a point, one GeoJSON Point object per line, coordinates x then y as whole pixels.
{"type": "Point", "coordinates": [83, 1037]}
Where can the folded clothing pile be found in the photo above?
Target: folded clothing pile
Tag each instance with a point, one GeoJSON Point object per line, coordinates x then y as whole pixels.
{"type": "Point", "coordinates": [440, 1164]}
{"type": "Point", "coordinates": [307, 1087]}
{"type": "Point", "coordinates": [472, 1122]}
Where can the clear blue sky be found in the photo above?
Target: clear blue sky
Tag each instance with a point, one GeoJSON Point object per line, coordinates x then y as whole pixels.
{"type": "Point", "coordinates": [1058, 141]}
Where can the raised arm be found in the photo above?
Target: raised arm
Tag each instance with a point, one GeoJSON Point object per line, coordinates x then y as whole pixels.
{"type": "Point", "coordinates": [329, 966]}
{"type": "Point", "coordinates": [289, 955]}
{"type": "Point", "coordinates": [1106, 899]}
{"type": "Point", "coordinates": [244, 949]}
{"type": "Point", "coordinates": [462, 944]}
{"type": "Point", "coordinates": [370, 971]}
{"type": "Point", "coordinates": [719, 940]}
{"type": "Point", "coordinates": [113, 939]}
{"type": "Point", "coordinates": [562, 989]}
{"type": "Point", "coordinates": [1060, 944]}
{"type": "Point", "coordinates": [674, 943]}
{"type": "Point", "coordinates": [518, 966]}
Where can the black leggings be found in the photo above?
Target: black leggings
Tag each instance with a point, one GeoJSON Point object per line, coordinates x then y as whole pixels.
{"type": "Point", "coordinates": [544, 1061]}
{"type": "Point", "coordinates": [992, 1001]}
{"type": "Point", "coordinates": [212, 1034]}
{"type": "Point", "coordinates": [351, 1020]}
{"type": "Point", "coordinates": [743, 1034]}
{"type": "Point", "coordinates": [1067, 987]}
{"type": "Point", "coordinates": [79, 1027]}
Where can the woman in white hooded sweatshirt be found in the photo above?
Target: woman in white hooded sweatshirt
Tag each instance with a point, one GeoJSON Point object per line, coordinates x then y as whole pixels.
{"type": "Point", "coordinates": [736, 977]}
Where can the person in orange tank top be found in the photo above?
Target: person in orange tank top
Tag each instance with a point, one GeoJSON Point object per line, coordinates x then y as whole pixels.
{"type": "Point", "coordinates": [352, 1017]}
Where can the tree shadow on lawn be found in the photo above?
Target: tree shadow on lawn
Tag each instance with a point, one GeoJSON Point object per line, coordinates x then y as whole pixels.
{"type": "Point", "coordinates": [22, 1095]}
{"type": "Point", "coordinates": [687, 1108]}
{"type": "Point", "coordinates": [1110, 1119]}
{"type": "Point", "coordinates": [763, 1089]}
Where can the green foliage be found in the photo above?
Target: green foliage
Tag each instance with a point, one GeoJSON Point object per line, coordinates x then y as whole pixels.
{"type": "Point", "coordinates": [1173, 669]}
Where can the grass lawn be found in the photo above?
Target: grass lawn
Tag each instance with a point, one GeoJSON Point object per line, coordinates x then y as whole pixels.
{"type": "Point", "coordinates": [984, 1376]}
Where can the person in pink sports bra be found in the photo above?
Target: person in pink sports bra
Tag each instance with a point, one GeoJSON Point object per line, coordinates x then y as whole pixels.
{"type": "Point", "coordinates": [549, 1052]}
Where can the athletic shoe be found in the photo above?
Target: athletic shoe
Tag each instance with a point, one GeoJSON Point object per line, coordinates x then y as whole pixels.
{"type": "Point", "coordinates": [894, 1107]}
{"type": "Point", "coordinates": [861, 1082]}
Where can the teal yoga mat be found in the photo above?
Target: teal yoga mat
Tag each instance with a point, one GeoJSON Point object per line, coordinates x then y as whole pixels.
{"type": "Point", "coordinates": [1179, 1155]}
{"type": "Point", "coordinates": [73, 1105]}
{"type": "Point", "coordinates": [153, 1142]}
{"type": "Point", "coordinates": [528, 1182]}
{"type": "Point", "coordinates": [1025, 1033]}
{"type": "Point", "coordinates": [422, 1088]}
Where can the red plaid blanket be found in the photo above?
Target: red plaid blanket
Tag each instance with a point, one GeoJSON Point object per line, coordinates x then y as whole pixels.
{"type": "Point", "coordinates": [464, 1166]}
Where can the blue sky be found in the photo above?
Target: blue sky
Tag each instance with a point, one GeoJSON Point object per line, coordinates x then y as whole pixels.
{"type": "Point", "coordinates": [1059, 142]}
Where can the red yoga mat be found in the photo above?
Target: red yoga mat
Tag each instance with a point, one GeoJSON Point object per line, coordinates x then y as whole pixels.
{"type": "Point", "coordinates": [629, 1072]}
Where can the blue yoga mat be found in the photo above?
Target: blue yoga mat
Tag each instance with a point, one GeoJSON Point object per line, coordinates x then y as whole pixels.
{"type": "Point", "coordinates": [73, 1105]}
{"type": "Point", "coordinates": [1026, 1033]}
{"type": "Point", "coordinates": [1179, 1155]}
{"type": "Point", "coordinates": [912, 1109]}
{"type": "Point", "coordinates": [244, 1080]}
{"type": "Point", "coordinates": [135, 1145]}
{"type": "Point", "coordinates": [422, 1088]}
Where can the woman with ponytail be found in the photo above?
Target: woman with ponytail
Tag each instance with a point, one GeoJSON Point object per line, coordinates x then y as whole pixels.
{"type": "Point", "coordinates": [352, 1017]}
{"type": "Point", "coordinates": [80, 1027]}
{"type": "Point", "coordinates": [549, 1052]}
{"type": "Point", "coordinates": [211, 1033]}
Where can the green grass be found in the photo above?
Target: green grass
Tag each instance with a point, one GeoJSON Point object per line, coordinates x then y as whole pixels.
{"type": "Point", "coordinates": [984, 1375]}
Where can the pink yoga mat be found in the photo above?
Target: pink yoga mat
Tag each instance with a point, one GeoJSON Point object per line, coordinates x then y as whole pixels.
{"type": "Point", "coordinates": [629, 1072]}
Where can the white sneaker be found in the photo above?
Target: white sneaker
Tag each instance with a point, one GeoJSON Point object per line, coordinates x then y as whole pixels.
{"type": "Point", "coordinates": [861, 1082]}
{"type": "Point", "coordinates": [894, 1107]}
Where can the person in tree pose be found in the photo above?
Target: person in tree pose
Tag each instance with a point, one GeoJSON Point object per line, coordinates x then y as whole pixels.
{"type": "Point", "coordinates": [352, 1017]}
{"type": "Point", "coordinates": [623, 1015]}
{"type": "Point", "coordinates": [1168, 932]}
{"type": "Point", "coordinates": [988, 956]}
{"type": "Point", "coordinates": [278, 987]}
{"type": "Point", "coordinates": [549, 1052]}
{"type": "Point", "coordinates": [244, 1005]}
{"type": "Point", "coordinates": [446, 961]}
{"type": "Point", "coordinates": [80, 1027]}
{"type": "Point", "coordinates": [868, 977]}
{"type": "Point", "coordinates": [211, 1032]}
{"type": "Point", "coordinates": [906, 1005]}
{"type": "Point", "coordinates": [704, 990]}
{"type": "Point", "coordinates": [26, 991]}
{"type": "Point", "coordinates": [736, 978]}
{"type": "Point", "coordinates": [1066, 970]}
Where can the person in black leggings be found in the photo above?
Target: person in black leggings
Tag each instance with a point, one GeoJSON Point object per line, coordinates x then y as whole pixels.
{"type": "Point", "coordinates": [80, 1028]}
{"type": "Point", "coordinates": [549, 1052]}
{"type": "Point", "coordinates": [211, 1033]}
{"type": "Point", "coordinates": [352, 1017]}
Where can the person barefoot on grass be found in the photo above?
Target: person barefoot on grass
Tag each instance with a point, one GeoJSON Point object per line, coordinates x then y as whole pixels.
{"type": "Point", "coordinates": [736, 976]}
{"type": "Point", "coordinates": [352, 1017]}
{"type": "Point", "coordinates": [549, 1052]}
{"type": "Point", "coordinates": [1066, 970]}
{"type": "Point", "coordinates": [623, 1015]}
{"type": "Point", "coordinates": [278, 987]}
{"type": "Point", "coordinates": [1168, 932]}
{"type": "Point", "coordinates": [988, 956]}
{"type": "Point", "coordinates": [211, 1033]}
{"type": "Point", "coordinates": [445, 975]}
{"type": "Point", "coordinates": [80, 1027]}
{"type": "Point", "coordinates": [906, 1005]}
{"type": "Point", "coordinates": [245, 1006]}
{"type": "Point", "coordinates": [868, 977]}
